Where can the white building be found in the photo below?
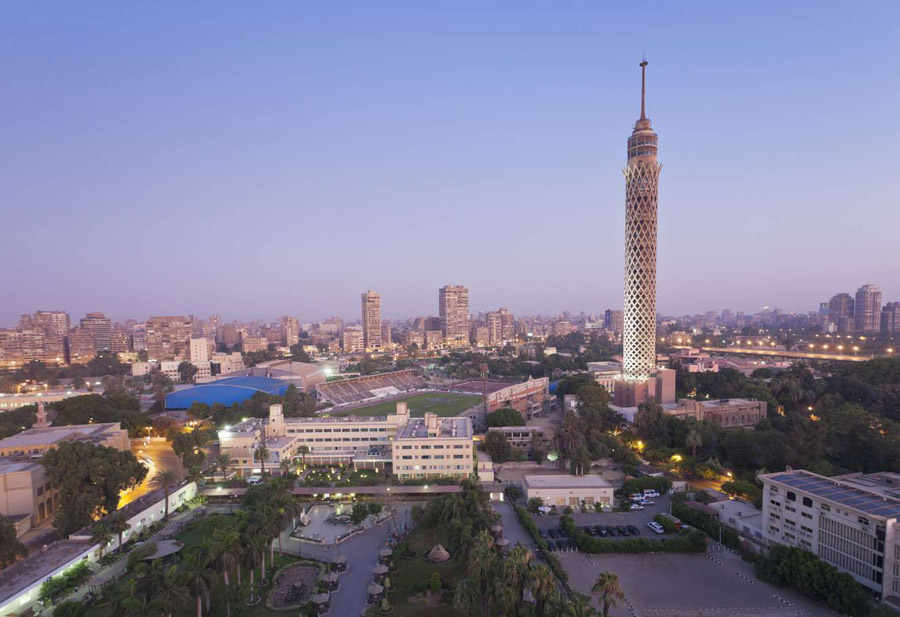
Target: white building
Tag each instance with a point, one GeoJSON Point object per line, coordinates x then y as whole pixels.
{"type": "Point", "coordinates": [848, 521]}
{"type": "Point", "coordinates": [566, 490]}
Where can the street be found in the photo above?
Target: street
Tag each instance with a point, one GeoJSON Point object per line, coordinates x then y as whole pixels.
{"type": "Point", "coordinates": [156, 454]}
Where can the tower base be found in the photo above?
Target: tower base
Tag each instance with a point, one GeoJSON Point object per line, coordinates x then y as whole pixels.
{"type": "Point", "coordinates": [660, 386]}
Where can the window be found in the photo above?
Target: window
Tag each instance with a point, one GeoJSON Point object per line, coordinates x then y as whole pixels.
{"type": "Point", "coordinates": [791, 496]}
{"type": "Point", "coordinates": [807, 502]}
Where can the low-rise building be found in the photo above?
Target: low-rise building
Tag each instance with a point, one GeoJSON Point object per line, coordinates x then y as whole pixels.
{"type": "Point", "coordinates": [850, 522]}
{"type": "Point", "coordinates": [42, 437]}
{"type": "Point", "coordinates": [26, 490]}
{"type": "Point", "coordinates": [14, 401]}
{"type": "Point", "coordinates": [527, 398]}
{"type": "Point", "coordinates": [743, 517]}
{"type": "Point", "coordinates": [728, 413]}
{"type": "Point", "coordinates": [567, 490]}
{"type": "Point", "coordinates": [414, 447]}
{"type": "Point", "coordinates": [520, 437]}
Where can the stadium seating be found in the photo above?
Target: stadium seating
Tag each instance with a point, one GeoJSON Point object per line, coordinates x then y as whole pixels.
{"type": "Point", "coordinates": [361, 389]}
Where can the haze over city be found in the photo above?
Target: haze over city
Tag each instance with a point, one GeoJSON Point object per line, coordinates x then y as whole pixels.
{"type": "Point", "coordinates": [282, 160]}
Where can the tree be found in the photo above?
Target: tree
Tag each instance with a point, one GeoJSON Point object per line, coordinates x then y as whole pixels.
{"type": "Point", "coordinates": [160, 385]}
{"type": "Point", "coordinates": [69, 609]}
{"type": "Point", "coordinates": [506, 416]}
{"type": "Point", "coordinates": [78, 383]}
{"type": "Point", "coordinates": [118, 524]}
{"type": "Point", "coordinates": [199, 576]}
{"type": "Point", "coordinates": [226, 552]}
{"type": "Point", "coordinates": [303, 451]}
{"type": "Point", "coordinates": [693, 441]}
{"type": "Point", "coordinates": [650, 420]}
{"type": "Point", "coordinates": [359, 514]}
{"type": "Point", "coordinates": [90, 479]}
{"type": "Point", "coordinates": [10, 547]}
{"type": "Point", "coordinates": [609, 590]}
{"type": "Point", "coordinates": [223, 463]}
{"type": "Point", "coordinates": [164, 479]}
{"type": "Point", "coordinates": [101, 535]}
{"type": "Point", "coordinates": [262, 455]}
{"type": "Point", "coordinates": [497, 446]}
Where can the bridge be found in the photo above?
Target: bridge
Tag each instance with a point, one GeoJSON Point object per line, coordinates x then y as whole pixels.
{"type": "Point", "coordinates": [780, 353]}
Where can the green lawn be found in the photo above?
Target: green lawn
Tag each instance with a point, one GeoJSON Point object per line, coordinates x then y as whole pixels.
{"type": "Point", "coordinates": [412, 573]}
{"type": "Point", "coordinates": [441, 403]}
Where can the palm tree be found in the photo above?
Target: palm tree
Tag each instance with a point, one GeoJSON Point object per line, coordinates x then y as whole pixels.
{"type": "Point", "coordinates": [148, 577]}
{"type": "Point", "coordinates": [481, 567]}
{"type": "Point", "coordinates": [223, 463]}
{"type": "Point", "coordinates": [467, 598]}
{"type": "Point", "coordinates": [101, 534]}
{"type": "Point", "coordinates": [303, 451]}
{"type": "Point", "coordinates": [579, 605]}
{"type": "Point", "coordinates": [226, 551]}
{"type": "Point", "coordinates": [118, 524]}
{"type": "Point", "coordinates": [609, 590]}
{"type": "Point", "coordinates": [164, 479]}
{"type": "Point", "coordinates": [171, 592]}
{"type": "Point", "coordinates": [287, 509]}
{"type": "Point", "coordinates": [693, 440]}
{"type": "Point", "coordinates": [254, 551]}
{"type": "Point", "coordinates": [515, 570]}
{"type": "Point", "coordinates": [262, 455]}
{"type": "Point", "coordinates": [199, 576]}
{"type": "Point", "coordinates": [542, 584]}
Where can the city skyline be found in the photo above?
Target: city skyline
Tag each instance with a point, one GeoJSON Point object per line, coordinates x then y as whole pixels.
{"type": "Point", "coordinates": [514, 133]}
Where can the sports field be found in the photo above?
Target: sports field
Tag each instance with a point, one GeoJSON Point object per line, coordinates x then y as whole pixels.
{"type": "Point", "coordinates": [441, 403]}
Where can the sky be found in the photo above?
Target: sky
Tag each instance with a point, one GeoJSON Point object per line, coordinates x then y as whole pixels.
{"type": "Point", "coordinates": [260, 159]}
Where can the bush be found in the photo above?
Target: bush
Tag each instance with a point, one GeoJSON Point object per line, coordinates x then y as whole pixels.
{"type": "Point", "coordinates": [535, 534]}
{"type": "Point", "coordinates": [507, 416]}
{"type": "Point", "coordinates": [797, 569]}
{"type": "Point", "coordinates": [69, 609]}
{"type": "Point", "coordinates": [708, 525]}
{"type": "Point", "coordinates": [139, 554]}
{"type": "Point", "coordinates": [637, 485]}
{"type": "Point", "coordinates": [667, 523]}
{"type": "Point", "coordinates": [534, 503]}
{"type": "Point", "coordinates": [435, 583]}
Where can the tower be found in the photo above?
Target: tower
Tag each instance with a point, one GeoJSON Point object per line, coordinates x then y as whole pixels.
{"type": "Point", "coordinates": [641, 186]}
{"type": "Point", "coordinates": [371, 321]}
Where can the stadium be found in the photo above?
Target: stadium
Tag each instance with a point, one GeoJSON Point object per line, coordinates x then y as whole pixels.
{"type": "Point", "coordinates": [369, 388]}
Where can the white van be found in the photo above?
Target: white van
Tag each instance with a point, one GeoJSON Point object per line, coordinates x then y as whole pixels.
{"type": "Point", "coordinates": [656, 527]}
{"type": "Point", "coordinates": [254, 480]}
{"type": "Point", "coordinates": [649, 492]}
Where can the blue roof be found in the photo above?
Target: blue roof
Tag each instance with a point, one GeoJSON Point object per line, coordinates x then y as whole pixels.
{"type": "Point", "coordinates": [226, 391]}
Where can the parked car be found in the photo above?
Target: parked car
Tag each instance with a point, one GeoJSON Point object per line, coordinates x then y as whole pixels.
{"type": "Point", "coordinates": [649, 492]}
{"type": "Point", "coordinates": [543, 533]}
{"type": "Point", "coordinates": [253, 480]}
{"type": "Point", "coordinates": [572, 543]}
{"type": "Point", "coordinates": [636, 497]}
{"type": "Point", "coordinates": [637, 506]}
{"type": "Point", "coordinates": [612, 531]}
{"type": "Point", "coordinates": [648, 503]}
{"type": "Point", "coordinates": [633, 530]}
{"type": "Point", "coordinates": [564, 532]}
{"type": "Point", "coordinates": [623, 531]}
{"type": "Point", "coordinates": [656, 527]}
{"type": "Point", "coordinates": [553, 533]}
{"type": "Point", "coordinates": [601, 530]}
{"type": "Point", "coordinates": [589, 530]}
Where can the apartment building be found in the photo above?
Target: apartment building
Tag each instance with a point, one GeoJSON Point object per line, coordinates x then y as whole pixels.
{"type": "Point", "coordinates": [100, 327]}
{"type": "Point", "coordinates": [453, 304]}
{"type": "Point", "coordinates": [848, 521]}
{"type": "Point", "coordinates": [371, 321]}
{"type": "Point", "coordinates": [430, 446]}
{"type": "Point", "coordinates": [167, 336]}
{"type": "Point", "coordinates": [353, 340]}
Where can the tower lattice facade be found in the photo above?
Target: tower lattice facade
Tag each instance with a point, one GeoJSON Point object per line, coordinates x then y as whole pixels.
{"type": "Point", "coordinates": [641, 184]}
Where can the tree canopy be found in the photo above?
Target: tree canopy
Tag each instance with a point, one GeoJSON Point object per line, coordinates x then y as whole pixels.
{"type": "Point", "coordinates": [506, 416]}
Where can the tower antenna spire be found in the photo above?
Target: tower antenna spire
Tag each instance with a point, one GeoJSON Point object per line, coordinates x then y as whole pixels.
{"type": "Point", "coordinates": [643, 86]}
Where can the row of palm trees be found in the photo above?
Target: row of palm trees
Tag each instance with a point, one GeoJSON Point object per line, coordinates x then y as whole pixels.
{"type": "Point", "coordinates": [234, 548]}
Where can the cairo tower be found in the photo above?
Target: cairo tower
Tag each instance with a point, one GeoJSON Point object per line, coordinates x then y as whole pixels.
{"type": "Point", "coordinates": [641, 377]}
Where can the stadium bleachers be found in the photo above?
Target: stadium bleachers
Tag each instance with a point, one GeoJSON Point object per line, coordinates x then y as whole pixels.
{"type": "Point", "coordinates": [361, 389]}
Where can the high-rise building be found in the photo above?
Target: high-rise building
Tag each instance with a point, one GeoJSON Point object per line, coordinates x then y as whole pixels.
{"type": "Point", "coordinates": [82, 346]}
{"type": "Point", "coordinates": [291, 327]}
{"type": "Point", "coordinates": [168, 336]}
{"type": "Point", "coordinates": [371, 321]}
{"type": "Point", "coordinates": [641, 379]}
{"type": "Point", "coordinates": [100, 327]}
{"type": "Point", "coordinates": [890, 318]}
{"type": "Point", "coordinates": [453, 304]}
{"type": "Point", "coordinates": [353, 340]}
{"type": "Point", "coordinates": [614, 321]}
{"type": "Point", "coordinates": [641, 192]}
{"type": "Point", "coordinates": [501, 326]}
{"type": "Point", "coordinates": [867, 309]}
{"type": "Point", "coordinates": [54, 323]}
{"type": "Point", "coordinates": [840, 311]}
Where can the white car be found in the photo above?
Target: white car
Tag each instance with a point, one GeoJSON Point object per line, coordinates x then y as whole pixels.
{"type": "Point", "coordinates": [651, 493]}
{"type": "Point", "coordinates": [648, 503]}
{"type": "Point", "coordinates": [637, 506]}
{"type": "Point", "coordinates": [656, 527]}
{"type": "Point", "coordinates": [254, 480]}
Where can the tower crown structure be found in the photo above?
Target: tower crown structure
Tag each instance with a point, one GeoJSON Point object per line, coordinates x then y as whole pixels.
{"type": "Point", "coordinates": [641, 191]}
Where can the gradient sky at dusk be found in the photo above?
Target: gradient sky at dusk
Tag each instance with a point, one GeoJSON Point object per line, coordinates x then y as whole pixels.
{"type": "Point", "coordinates": [257, 159]}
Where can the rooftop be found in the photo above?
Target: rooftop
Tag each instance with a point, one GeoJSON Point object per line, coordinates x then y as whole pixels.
{"type": "Point", "coordinates": [416, 428]}
{"type": "Point", "coordinates": [871, 494]}
{"type": "Point", "coordinates": [19, 576]}
{"type": "Point", "coordinates": [56, 434]}
{"type": "Point", "coordinates": [566, 481]}
{"type": "Point", "coordinates": [12, 466]}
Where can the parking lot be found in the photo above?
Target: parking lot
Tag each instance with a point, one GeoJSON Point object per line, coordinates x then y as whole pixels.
{"type": "Point", "coordinates": [637, 518]}
{"type": "Point", "coordinates": [718, 584]}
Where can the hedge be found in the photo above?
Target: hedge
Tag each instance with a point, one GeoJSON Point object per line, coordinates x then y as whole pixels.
{"type": "Point", "coordinates": [667, 523]}
{"type": "Point", "coordinates": [708, 525]}
{"type": "Point", "coordinates": [532, 529]}
{"type": "Point", "coordinates": [688, 541]}
{"type": "Point", "coordinates": [798, 569]}
{"type": "Point", "coordinates": [637, 485]}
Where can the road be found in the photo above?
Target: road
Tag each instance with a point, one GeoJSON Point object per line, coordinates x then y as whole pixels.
{"type": "Point", "coordinates": [787, 354]}
{"type": "Point", "coordinates": [156, 454]}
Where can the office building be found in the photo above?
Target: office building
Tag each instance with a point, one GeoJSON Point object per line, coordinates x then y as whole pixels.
{"type": "Point", "coordinates": [847, 521]}
{"type": "Point", "coordinates": [371, 321]}
{"type": "Point", "coordinates": [527, 398]}
{"type": "Point", "coordinates": [890, 318]}
{"type": "Point", "coordinates": [413, 447]}
{"type": "Point", "coordinates": [453, 306]}
{"type": "Point", "coordinates": [867, 309]}
{"type": "Point", "coordinates": [100, 327]}
{"type": "Point", "coordinates": [641, 379]}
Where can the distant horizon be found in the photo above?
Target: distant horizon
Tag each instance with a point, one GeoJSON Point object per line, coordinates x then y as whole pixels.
{"type": "Point", "coordinates": [282, 160]}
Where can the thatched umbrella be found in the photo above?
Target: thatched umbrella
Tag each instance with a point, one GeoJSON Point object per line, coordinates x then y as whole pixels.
{"type": "Point", "coordinates": [330, 579]}
{"type": "Point", "coordinates": [320, 599]}
{"type": "Point", "coordinates": [384, 554]}
{"type": "Point", "coordinates": [502, 543]}
{"type": "Point", "coordinates": [497, 530]}
{"type": "Point", "coordinates": [341, 562]}
{"type": "Point", "coordinates": [380, 570]}
{"type": "Point", "coordinates": [438, 554]}
{"type": "Point", "coordinates": [375, 589]}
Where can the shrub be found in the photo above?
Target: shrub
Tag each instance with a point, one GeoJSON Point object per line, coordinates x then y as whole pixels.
{"type": "Point", "coordinates": [435, 583]}
{"type": "Point", "coordinates": [637, 485]}
{"type": "Point", "coordinates": [795, 568]}
{"type": "Point", "coordinates": [69, 609]}
{"type": "Point", "coordinates": [708, 525]}
{"type": "Point", "coordinates": [688, 541]}
{"type": "Point", "coordinates": [535, 534]}
{"type": "Point", "coordinates": [534, 503]}
{"type": "Point", "coordinates": [667, 523]}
